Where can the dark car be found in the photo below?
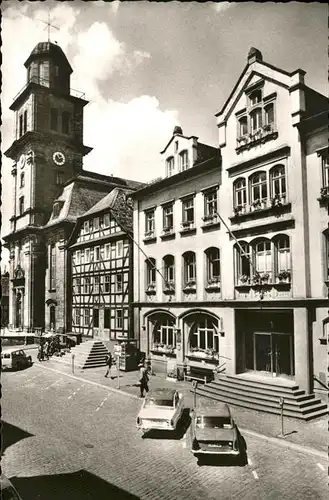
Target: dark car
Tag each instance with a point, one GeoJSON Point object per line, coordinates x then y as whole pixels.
{"type": "Point", "coordinates": [8, 492]}
{"type": "Point", "coordinates": [15, 358]}
{"type": "Point", "coordinates": [213, 432]}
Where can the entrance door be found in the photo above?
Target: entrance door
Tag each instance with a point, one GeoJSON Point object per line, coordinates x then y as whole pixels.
{"type": "Point", "coordinates": [263, 352]}
{"type": "Point", "coordinates": [52, 318]}
{"type": "Point", "coordinates": [18, 319]}
{"type": "Point", "coordinates": [282, 354]}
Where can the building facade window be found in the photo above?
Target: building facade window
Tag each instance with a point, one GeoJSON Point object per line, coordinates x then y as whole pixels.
{"type": "Point", "coordinates": [149, 223]}
{"type": "Point", "coordinates": [164, 333]}
{"type": "Point", "coordinates": [255, 97]}
{"type": "Point", "coordinates": [97, 253]}
{"type": "Point", "coordinates": [21, 205]}
{"type": "Point", "coordinates": [107, 284]}
{"type": "Point", "coordinates": [25, 122]}
{"type": "Point", "coordinates": [204, 335]}
{"type": "Point", "coordinates": [86, 317]}
{"type": "Point", "coordinates": [86, 227]}
{"type": "Point", "coordinates": [269, 115]}
{"type": "Point", "coordinates": [22, 180]}
{"type": "Point", "coordinates": [278, 182]}
{"type": "Point", "coordinates": [86, 286]}
{"type": "Point", "coordinates": [212, 265]}
{"type": "Point", "coordinates": [242, 126]}
{"type": "Point", "coordinates": [169, 269]}
{"type": "Point", "coordinates": [54, 119]}
{"type": "Point", "coordinates": [96, 284]}
{"type": "Point", "coordinates": [77, 316]}
{"type": "Point", "coordinates": [170, 166]}
{"type": "Point", "coordinates": [240, 193]}
{"type": "Point", "coordinates": [210, 204]}
{"type": "Point", "coordinates": [119, 318]}
{"type": "Point", "coordinates": [326, 243]}
{"type": "Point", "coordinates": [106, 220]}
{"type": "Point", "coordinates": [52, 267]}
{"type": "Point", "coordinates": [150, 272]}
{"type": "Point", "coordinates": [188, 212]}
{"type": "Point", "coordinates": [119, 282]}
{"type": "Point", "coordinates": [119, 249]}
{"type": "Point", "coordinates": [282, 245]}
{"type": "Point", "coordinates": [59, 178]}
{"type": "Point", "coordinates": [258, 188]}
{"type": "Point", "coordinates": [325, 171]}
{"type": "Point", "coordinates": [183, 161]}
{"type": "Point", "coordinates": [168, 217]}
{"type": "Point", "coordinates": [96, 224]}
{"type": "Point", "coordinates": [264, 258]}
{"type": "Point", "coordinates": [189, 268]}
{"type": "Point", "coordinates": [20, 125]}
{"type": "Point", "coordinates": [256, 119]}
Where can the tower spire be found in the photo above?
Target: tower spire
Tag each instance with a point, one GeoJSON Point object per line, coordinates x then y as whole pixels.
{"type": "Point", "coordinates": [49, 25]}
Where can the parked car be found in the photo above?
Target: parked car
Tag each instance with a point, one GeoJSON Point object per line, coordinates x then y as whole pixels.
{"type": "Point", "coordinates": [162, 409]}
{"type": "Point", "coordinates": [8, 491]}
{"type": "Point", "coordinates": [15, 359]}
{"type": "Point", "coordinates": [213, 431]}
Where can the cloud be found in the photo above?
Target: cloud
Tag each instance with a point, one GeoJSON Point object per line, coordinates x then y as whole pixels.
{"type": "Point", "coordinates": [128, 137]}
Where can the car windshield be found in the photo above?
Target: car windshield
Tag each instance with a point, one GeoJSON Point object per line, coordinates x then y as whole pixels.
{"type": "Point", "coordinates": [158, 402]}
{"type": "Point", "coordinates": [213, 422]}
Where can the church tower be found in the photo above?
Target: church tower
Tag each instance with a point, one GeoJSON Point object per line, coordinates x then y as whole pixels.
{"type": "Point", "coordinates": [47, 151]}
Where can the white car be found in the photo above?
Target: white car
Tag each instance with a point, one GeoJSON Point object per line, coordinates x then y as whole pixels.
{"type": "Point", "coordinates": [161, 410]}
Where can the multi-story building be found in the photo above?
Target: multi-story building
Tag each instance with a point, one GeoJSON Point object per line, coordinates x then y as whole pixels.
{"type": "Point", "coordinates": [101, 269]}
{"type": "Point", "coordinates": [249, 294]}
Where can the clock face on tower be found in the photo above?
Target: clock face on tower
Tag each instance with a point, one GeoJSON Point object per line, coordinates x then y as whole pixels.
{"type": "Point", "coordinates": [59, 158]}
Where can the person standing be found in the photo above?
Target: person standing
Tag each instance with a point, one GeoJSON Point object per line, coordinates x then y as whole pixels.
{"type": "Point", "coordinates": [108, 360]}
{"type": "Point", "coordinates": [143, 379]}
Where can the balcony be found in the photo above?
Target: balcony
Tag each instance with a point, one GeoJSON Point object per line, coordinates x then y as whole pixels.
{"type": "Point", "coordinates": [261, 208]}
{"type": "Point", "coordinates": [149, 237]}
{"type": "Point", "coordinates": [188, 227]}
{"type": "Point", "coordinates": [265, 133]}
{"type": "Point", "coordinates": [46, 83]}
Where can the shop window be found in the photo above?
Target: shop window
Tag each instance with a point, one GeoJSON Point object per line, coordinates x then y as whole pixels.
{"type": "Point", "coordinates": [189, 269]}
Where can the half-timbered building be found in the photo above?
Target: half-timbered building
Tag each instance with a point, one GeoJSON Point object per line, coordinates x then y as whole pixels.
{"type": "Point", "coordinates": [101, 266]}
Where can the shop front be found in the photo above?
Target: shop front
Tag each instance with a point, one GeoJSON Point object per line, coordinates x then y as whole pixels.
{"type": "Point", "coordinates": [265, 343]}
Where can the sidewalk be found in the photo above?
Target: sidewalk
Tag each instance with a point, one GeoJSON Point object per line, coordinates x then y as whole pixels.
{"type": "Point", "coordinates": [298, 434]}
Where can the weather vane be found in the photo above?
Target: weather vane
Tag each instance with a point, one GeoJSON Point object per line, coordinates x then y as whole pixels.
{"type": "Point", "coordinates": [49, 25]}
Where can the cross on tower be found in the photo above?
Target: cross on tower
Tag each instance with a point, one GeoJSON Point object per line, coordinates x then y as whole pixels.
{"type": "Point", "coordinates": [49, 25]}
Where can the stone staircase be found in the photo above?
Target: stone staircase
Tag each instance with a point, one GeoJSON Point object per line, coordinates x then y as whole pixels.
{"type": "Point", "coordinates": [264, 396]}
{"type": "Point", "coordinates": [89, 354]}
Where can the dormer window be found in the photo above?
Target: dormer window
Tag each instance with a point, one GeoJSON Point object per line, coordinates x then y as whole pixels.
{"type": "Point", "coordinates": [256, 119]}
{"type": "Point", "coordinates": [57, 207]}
{"type": "Point", "coordinates": [176, 146]}
{"type": "Point", "coordinates": [170, 165]}
{"type": "Point", "coordinates": [183, 161]}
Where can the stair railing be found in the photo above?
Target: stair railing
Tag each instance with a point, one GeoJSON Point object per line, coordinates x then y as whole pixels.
{"type": "Point", "coordinates": [320, 382]}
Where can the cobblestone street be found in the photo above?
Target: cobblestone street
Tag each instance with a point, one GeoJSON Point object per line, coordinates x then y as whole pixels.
{"type": "Point", "coordinates": [76, 440]}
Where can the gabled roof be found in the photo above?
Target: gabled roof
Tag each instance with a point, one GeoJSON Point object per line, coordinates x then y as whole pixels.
{"type": "Point", "coordinates": [178, 135]}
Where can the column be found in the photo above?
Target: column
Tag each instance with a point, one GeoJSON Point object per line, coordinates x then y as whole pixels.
{"type": "Point", "coordinates": [302, 350]}
{"type": "Point", "coordinates": [230, 340]}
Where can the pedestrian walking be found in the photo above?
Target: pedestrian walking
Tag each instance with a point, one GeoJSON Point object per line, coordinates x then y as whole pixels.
{"type": "Point", "coordinates": [143, 379]}
{"type": "Point", "coordinates": [109, 361]}
{"type": "Point", "coordinates": [40, 352]}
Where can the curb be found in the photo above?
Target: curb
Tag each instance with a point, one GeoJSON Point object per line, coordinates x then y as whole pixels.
{"type": "Point", "coordinates": [276, 441]}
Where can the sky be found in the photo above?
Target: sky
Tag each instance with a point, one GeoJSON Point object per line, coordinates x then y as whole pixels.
{"type": "Point", "coordinates": [148, 66]}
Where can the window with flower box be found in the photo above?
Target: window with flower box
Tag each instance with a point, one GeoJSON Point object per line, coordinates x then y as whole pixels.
{"type": "Point", "coordinates": [240, 195]}
{"type": "Point", "coordinates": [164, 338]}
{"type": "Point", "coordinates": [212, 267]}
{"type": "Point", "coordinates": [255, 120]}
{"type": "Point", "coordinates": [283, 264]}
{"type": "Point", "coordinates": [210, 206]}
{"type": "Point", "coordinates": [188, 213]}
{"type": "Point", "coordinates": [203, 341]}
{"type": "Point", "coordinates": [149, 223]}
{"type": "Point", "coordinates": [168, 218]}
{"type": "Point", "coordinates": [278, 184]}
{"type": "Point", "coordinates": [258, 190]}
